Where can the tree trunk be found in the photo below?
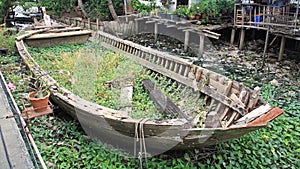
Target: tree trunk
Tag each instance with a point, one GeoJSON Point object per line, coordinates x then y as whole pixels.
{"type": "Point", "coordinates": [112, 10]}
{"type": "Point", "coordinates": [80, 5]}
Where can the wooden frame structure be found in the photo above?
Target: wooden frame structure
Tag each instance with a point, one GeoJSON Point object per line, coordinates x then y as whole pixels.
{"type": "Point", "coordinates": [278, 20]}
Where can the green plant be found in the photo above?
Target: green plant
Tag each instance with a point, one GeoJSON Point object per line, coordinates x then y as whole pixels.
{"type": "Point", "coordinates": [182, 11]}
{"type": "Point", "coordinates": [209, 7]}
{"type": "Point", "coordinates": [225, 6]}
{"type": "Point", "coordinates": [196, 8]}
{"type": "Point", "coordinates": [7, 39]}
{"type": "Point", "coordinates": [39, 86]}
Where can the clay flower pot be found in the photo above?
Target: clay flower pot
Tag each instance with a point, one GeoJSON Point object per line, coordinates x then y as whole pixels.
{"type": "Point", "coordinates": [39, 104]}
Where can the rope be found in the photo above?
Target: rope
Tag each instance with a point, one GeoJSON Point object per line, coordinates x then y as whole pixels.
{"type": "Point", "coordinates": [140, 137]}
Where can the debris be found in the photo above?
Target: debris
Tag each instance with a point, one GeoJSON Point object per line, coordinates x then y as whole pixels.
{"type": "Point", "coordinates": [274, 82]}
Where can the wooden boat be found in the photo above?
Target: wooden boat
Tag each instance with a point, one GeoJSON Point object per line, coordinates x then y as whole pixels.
{"type": "Point", "coordinates": [53, 36]}
{"type": "Point", "coordinates": [233, 109]}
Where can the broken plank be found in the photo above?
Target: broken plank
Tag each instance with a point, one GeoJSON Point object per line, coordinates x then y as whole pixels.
{"type": "Point", "coordinates": [264, 119]}
{"type": "Point", "coordinates": [165, 104]}
{"type": "Point", "coordinates": [212, 120]}
{"type": "Point", "coordinates": [254, 114]}
{"type": "Point", "coordinates": [126, 97]}
{"type": "Point", "coordinates": [223, 99]}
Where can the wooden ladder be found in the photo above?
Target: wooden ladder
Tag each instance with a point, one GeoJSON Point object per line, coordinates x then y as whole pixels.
{"type": "Point", "coordinates": [240, 16]}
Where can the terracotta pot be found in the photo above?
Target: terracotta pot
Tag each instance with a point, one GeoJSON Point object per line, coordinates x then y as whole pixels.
{"type": "Point", "coordinates": [39, 104]}
{"type": "Point", "coordinates": [197, 17]}
{"type": "Point", "coordinates": [203, 15]}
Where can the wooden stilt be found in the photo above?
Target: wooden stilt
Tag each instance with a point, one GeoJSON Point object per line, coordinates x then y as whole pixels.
{"type": "Point", "coordinates": [266, 46]}
{"type": "Point", "coordinates": [97, 23]}
{"type": "Point", "coordinates": [232, 36]}
{"type": "Point", "coordinates": [136, 26]}
{"type": "Point", "coordinates": [282, 46]}
{"type": "Point", "coordinates": [89, 23]}
{"type": "Point", "coordinates": [155, 31]}
{"type": "Point", "coordinates": [201, 46]}
{"type": "Point", "coordinates": [186, 40]}
{"type": "Point", "coordinates": [242, 38]}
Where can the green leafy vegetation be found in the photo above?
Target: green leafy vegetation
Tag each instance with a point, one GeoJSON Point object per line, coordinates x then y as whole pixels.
{"type": "Point", "coordinates": [94, 8]}
{"type": "Point", "coordinates": [97, 75]}
{"type": "Point", "coordinates": [7, 39]}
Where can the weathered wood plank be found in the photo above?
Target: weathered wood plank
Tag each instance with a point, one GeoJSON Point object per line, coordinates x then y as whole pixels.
{"type": "Point", "coordinates": [165, 104]}
{"type": "Point", "coordinates": [264, 119]}
{"type": "Point", "coordinates": [212, 120]}
{"type": "Point", "coordinates": [223, 99]}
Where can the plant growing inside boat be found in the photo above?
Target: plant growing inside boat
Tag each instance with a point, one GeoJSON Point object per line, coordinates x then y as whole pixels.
{"type": "Point", "coordinates": [39, 87]}
{"type": "Point", "coordinates": [39, 97]}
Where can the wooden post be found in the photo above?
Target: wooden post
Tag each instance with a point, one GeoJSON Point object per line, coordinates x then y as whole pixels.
{"type": "Point", "coordinates": [266, 46]}
{"type": "Point", "coordinates": [242, 38]}
{"type": "Point", "coordinates": [282, 46]}
{"type": "Point", "coordinates": [201, 46]}
{"type": "Point", "coordinates": [97, 24]}
{"type": "Point", "coordinates": [186, 40]}
{"type": "Point", "coordinates": [89, 23]}
{"type": "Point", "coordinates": [234, 15]}
{"type": "Point", "coordinates": [232, 36]}
{"type": "Point", "coordinates": [136, 26]}
{"type": "Point", "coordinates": [155, 31]}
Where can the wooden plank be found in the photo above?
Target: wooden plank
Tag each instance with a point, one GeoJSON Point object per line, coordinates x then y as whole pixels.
{"type": "Point", "coordinates": [60, 34]}
{"type": "Point", "coordinates": [253, 98]}
{"type": "Point", "coordinates": [31, 33]}
{"type": "Point", "coordinates": [255, 113]}
{"type": "Point", "coordinates": [264, 119]}
{"type": "Point", "coordinates": [126, 97]}
{"type": "Point", "coordinates": [165, 104]}
{"type": "Point", "coordinates": [212, 120]}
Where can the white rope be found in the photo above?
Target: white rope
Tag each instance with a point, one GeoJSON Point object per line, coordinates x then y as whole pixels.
{"type": "Point", "coordinates": [140, 137]}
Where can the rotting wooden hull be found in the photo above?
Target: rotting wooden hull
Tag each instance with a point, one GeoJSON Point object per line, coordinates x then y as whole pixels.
{"type": "Point", "coordinates": [116, 128]}
{"type": "Point", "coordinates": [55, 38]}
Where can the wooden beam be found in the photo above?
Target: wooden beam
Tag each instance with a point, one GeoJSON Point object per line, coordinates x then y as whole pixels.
{"type": "Point", "coordinates": [232, 36]}
{"type": "Point", "coordinates": [266, 46]}
{"type": "Point", "coordinates": [281, 50]}
{"type": "Point", "coordinates": [201, 47]}
{"type": "Point", "coordinates": [242, 38]}
{"type": "Point", "coordinates": [165, 104]}
{"type": "Point", "coordinates": [186, 40]}
{"type": "Point", "coordinates": [155, 31]}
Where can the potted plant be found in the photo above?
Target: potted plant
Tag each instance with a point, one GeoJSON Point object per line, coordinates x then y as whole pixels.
{"type": "Point", "coordinates": [196, 10]}
{"type": "Point", "coordinates": [209, 8]}
{"type": "Point", "coordinates": [39, 97]}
